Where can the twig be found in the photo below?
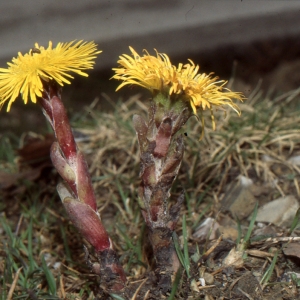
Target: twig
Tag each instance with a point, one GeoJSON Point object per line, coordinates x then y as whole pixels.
{"type": "Point", "coordinates": [13, 285]}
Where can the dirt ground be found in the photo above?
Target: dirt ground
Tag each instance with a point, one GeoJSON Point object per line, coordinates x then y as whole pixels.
{"type": "Point", "coordinates": [267, 266]}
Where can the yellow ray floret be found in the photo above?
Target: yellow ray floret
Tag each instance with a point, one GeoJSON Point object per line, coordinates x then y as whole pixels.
{"type": "Point", "coordinates": [25, 72]}
{"type": "Point", "coordinates": [157, 73]}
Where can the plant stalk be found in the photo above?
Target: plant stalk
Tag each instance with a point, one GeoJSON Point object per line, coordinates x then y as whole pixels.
{"type": "Point", "coordinates": [161, 156]}
{"type": "Point", "coordinates": [77, 193]}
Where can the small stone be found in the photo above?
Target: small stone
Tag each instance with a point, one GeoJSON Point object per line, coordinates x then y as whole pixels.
{"type": "Point", "coordinates": [209, 279]}
{"type": "Point", "coordinates": [228, 232]}
{"type": "Point", "coordinates": [292, 249]}
{"type": "Point", "coordinates": [294, 160]}
{"type": "Point", "coordinates": [239, 199]}
{"type": "Point", "coordinates": [234, 258]}
{"type": "Point", "coordinates": [280, 212]}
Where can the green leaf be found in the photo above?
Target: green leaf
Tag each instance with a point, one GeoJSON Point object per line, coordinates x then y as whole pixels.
{"type": "Point", "coordinates": [49, 277]}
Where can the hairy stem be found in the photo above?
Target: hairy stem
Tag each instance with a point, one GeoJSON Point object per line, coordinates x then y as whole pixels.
{"type": "Point", "coordinates": [161, 156]}
{"type": "Point", "coordinates": [77, 193]}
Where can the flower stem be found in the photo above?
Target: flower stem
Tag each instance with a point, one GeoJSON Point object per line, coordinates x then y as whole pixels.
{"type": "Point", "coordinates": [161, 156]}
{"type": "Point", "coordinates": [77, 194]}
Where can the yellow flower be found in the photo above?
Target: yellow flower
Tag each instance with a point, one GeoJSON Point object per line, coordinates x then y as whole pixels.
{"type": "Point", "coordinates": [25, 72]}
{"type": "Point", "coordinates": [157, 73]}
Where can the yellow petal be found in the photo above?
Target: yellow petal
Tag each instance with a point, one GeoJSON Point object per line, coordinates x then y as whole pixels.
{"type": "Point", "coordinates": [25, 72]}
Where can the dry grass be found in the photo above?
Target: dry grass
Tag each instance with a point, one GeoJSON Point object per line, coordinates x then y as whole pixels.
{"type": "Point", "coordinates": [34, 226]}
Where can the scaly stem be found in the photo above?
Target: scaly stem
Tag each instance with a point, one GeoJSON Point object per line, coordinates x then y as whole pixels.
{"type": "Point", "coordinates": [161, 156]}
{"type": "Point", "coordinates": [77, 193]}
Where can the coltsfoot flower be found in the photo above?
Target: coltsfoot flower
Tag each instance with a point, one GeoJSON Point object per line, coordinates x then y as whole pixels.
{"type": "Point", "coordinates": [156, 73]}
{"type": "Point", "coordinates": [25, 73]}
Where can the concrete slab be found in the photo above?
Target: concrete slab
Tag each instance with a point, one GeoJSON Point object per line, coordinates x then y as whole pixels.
{"type": "Point", "coordinates": [175, 27]}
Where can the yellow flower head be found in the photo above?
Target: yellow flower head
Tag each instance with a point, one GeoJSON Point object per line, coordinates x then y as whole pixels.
{"type": "Point", "coordinates": [157, 73]}
{"type": "Point", "coordinates": [25, 72]}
